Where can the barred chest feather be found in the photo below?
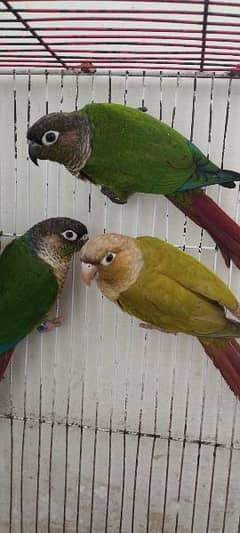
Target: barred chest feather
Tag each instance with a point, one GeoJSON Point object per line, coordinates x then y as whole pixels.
{"type": "Point", "coordinates": [59, 264]}
{"type": "Point", "coordinates": [78, 161]}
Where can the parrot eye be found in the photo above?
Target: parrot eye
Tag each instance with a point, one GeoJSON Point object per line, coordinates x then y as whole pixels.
{"type": "Point", "coordinates": [70, 235]}
{"type": "Point", "coordinates": [108, 259]}
{"type": "Point", "coordinates": [50, 137]}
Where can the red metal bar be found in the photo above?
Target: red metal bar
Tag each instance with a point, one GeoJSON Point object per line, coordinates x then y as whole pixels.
{"type": "Point", "coordinates": [111, 13]}
{"type": "Point", "coordinates": [138, 30]}
{"type": "Point", "coordinates": [95, 50]}
{"type": "Point", "coordinates": [108, 63]}
{"type": "Point", "coordinates": [204, 33]}
{"type": "Point", "coordinates": [94, 59]}
{"type": "Point", "coordinates": [130, 66]}
{"type": "Point", "coordinates": [133, 18]}
{"type": "Point", "coordinates": [134, 42]}
{"type": "Point", "coordinates": [33, 33]}
{"type": "Point", "coordinates": [28, 60]}
{"type": "Point", "coordinates": [198, 2]}
{"type": "Point", "coordinates": [148, 59]}
{"type": "Point", "coordinates": [117, 19]}
{"type": "Point", "coordinates": [193, 34]}
{"type": "Point", "coordinates": [130, 11]}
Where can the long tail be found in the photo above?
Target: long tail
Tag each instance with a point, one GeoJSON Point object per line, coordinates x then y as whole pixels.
{"type": "Point", "coordinates": [228, 178]}
{"type": "Point", "coordinates": [208, 215]}
{"type": "Point", "coordinates": [225, 354]}
{"type": "Point", "coordinates": [4, 360]}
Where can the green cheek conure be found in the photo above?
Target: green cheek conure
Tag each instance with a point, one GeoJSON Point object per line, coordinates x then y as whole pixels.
{"type": "Point", "coordinates": [126, 151]}
{"type": "Point", "coordinates": [33, 268]}
{"type": "Point", "coordinates": [169, 290]}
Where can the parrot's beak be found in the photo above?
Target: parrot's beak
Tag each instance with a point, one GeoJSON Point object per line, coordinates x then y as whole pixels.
{"type": "Point", "coordinates": [34, 152]}
{"type": "Point", "coordinates": [88, 272]}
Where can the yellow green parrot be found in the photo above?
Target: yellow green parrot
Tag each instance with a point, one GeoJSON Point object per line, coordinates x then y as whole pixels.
{"type": "Point", "coordinates": [169, 290]}
{"type": "Point", "coordinates": [33, 268]}
{"type": "Point", "coordinates": [126, 151]}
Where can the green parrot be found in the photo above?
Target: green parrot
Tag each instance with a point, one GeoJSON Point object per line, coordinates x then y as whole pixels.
{"type": "Point", "coordinates": [169, 290]}
{"type": "Point", "coordinates": [33, 268]}
{"type": "Point", "coordinates": [127, 151]}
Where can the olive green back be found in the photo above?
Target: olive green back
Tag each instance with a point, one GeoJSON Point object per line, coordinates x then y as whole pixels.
{"type": "Point", "coordinates": [176, 292]}
{"type": "Point", "coordinates": [28, 288]}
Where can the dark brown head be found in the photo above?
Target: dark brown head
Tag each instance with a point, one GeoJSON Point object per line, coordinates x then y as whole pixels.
{"type": "Point", "coordinates": [63, 234]}
{"type": "Point", "coordinates": [61, 137]}
{"type": "Point", "coordinates": [54, 241]}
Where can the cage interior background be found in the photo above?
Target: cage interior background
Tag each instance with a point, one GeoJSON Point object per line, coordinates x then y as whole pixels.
{"type": "Point", "coordinates": [105, 427]}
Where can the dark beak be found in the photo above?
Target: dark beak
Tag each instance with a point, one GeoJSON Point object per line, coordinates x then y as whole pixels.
{"type": "Point", "coordinates": [34, 152]}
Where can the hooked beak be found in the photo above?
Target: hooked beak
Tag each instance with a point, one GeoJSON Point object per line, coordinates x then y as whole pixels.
{"type": "Point", "coordinates": [88, 272]}
{"type": "Point", "coordinates": [34, 152]}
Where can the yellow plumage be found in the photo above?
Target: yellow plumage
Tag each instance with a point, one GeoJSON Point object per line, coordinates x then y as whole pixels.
{"type": "Point", "coordinates": [169, 290]}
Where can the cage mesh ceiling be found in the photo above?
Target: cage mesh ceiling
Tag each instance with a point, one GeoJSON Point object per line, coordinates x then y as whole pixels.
{"type": "Point", "coordinates": [177, 35]}
{"type": "Point", "coordinates": [189, 35]}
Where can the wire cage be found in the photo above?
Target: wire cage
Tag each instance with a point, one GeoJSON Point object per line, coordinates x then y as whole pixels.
{"type": "Point", "coordinates": [192, 35]}
{"type": "Point", "coordinates": [104, 427]}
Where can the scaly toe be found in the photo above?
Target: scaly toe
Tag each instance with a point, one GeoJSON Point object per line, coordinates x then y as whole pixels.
{"type": "Point", "coordinates": [50, 325]}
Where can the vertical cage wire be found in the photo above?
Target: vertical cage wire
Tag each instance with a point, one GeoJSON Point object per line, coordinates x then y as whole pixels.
{"type": "Point", "coordinates": [91, 428]}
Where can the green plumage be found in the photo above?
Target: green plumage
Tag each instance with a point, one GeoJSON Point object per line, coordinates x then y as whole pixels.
{"type": "Point", "coordinates": [28, 288]}
{"type": "Point", "coordinates": [32, 272]}
{"type": "Point", "coordinates": [132, 151]}
{"type": "Point", "coordinates": [127, 151]}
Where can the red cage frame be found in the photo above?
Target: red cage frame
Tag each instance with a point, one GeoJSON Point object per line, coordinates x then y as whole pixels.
{"type": "Point", "coordinates": [196, 35]}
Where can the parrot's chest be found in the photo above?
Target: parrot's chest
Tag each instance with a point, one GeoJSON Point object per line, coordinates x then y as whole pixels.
{"type": "Point", "coordinates": [112, 293]}
{"type": "Point", "coordinates": [60, 267]}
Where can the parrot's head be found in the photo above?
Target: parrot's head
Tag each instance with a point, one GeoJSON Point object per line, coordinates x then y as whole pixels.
{"type": "Point", "coordinates": [55, 240]}
{"type": "Point", "coordinates": [61, 137]}
{"type": "Point", "coordinates": [113, 260]}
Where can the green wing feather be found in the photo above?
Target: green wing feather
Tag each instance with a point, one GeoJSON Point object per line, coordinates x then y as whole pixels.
{"type": "Point", "coordinates": [177, 293]}
{"type": "Point", "coordinates": [156, 158]}
{"type": "Point", "coordinates": [28, 288]}
{"type": "Point", "coordinates": [133, 151]}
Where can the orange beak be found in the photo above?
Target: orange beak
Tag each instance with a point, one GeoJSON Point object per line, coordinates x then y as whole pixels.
{"type": "Point", "coordinates": [88, 272]}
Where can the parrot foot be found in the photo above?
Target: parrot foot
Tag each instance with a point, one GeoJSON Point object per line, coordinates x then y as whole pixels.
{"type": "Point", "coordinates": [49, 325]}
{"type": "Point", "coordinates": [146, 325]}
{"type": "Point", "coordinates": [115, 198]}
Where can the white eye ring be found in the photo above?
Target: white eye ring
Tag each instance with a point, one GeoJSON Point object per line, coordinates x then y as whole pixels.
{"type": "Point", "coordinates": [108, 259]}
{"type": "Point", "coordinates": [50, 137]}
{"type": "Point", "coordinates": [70, 235]}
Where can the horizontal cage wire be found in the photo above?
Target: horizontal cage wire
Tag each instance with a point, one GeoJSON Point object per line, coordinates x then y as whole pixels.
{"type": "Point", "coordinates": [131, 432]}
{"type": "Point", "coordinates": [81, 36]}
{"type": "Point", "coordinates": [105, 428]}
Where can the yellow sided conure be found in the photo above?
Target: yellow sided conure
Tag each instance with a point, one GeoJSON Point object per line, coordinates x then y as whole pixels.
{"type": "Point", "coordinates": [33, 268]}
{"type": "Point", "coordinates": [126, 151]}
{"type": "Point", "coordinates": [169, 290]}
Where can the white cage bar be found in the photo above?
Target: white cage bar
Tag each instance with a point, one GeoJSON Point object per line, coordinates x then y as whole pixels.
{"type": "Point", "coordinates": [105, 428]}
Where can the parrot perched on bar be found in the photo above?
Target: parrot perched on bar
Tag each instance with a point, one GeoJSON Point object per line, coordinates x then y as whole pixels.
{"type": "Point", "coordinates": [33, 268]}
{"type": "Point", "coordinates": [169, 290]}
{"type": "Point", "coordinates": [127, 151]}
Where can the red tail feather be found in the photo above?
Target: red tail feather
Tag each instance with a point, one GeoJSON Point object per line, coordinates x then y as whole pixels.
{"type": "Point", "coordinates": [4, 360]}
{"type": "Point", "coordinates": [225, 354]}
{"type": "Point", "coordinates": [207, 214]}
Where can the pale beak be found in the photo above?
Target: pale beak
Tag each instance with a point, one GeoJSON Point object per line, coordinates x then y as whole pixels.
{"type": "Point", "coordinates": [88, 272]}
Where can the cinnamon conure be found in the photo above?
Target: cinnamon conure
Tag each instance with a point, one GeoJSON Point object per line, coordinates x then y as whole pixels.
{"type": "Point", "coordinates": [169, 290]}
